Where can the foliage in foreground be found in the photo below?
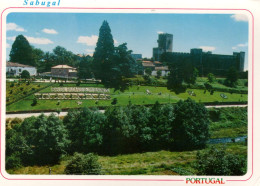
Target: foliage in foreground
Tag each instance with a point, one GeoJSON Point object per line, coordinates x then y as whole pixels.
{"type": "Point", "coordinates": [38, 140]}
{"type": "Point", "coordinates": [190, 127]}
{"type": "Point", "coordinates": [218, 162]}
{"type": "Point", "coordinates": [81, 164]}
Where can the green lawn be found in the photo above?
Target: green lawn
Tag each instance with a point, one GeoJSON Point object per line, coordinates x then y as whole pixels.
{"type": "Point", "coordinates": [137, 95]}
{"type": "Point", "coordinates": [148, 163]}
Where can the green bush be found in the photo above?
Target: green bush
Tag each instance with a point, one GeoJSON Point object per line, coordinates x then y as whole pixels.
{"type": "Point", "coordinates": [81, 164]}
{"type": "Point", "coordinates": [219, 162]}
{"type": "Point", "coordinates": [34, 102]}
{"type": "Point", "coordinates": [191, 125]}
{"type": "Point", "coordinates": [13, 161]}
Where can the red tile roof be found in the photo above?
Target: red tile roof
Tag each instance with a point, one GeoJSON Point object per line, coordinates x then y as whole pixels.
{"type": "Point", "coordinates": [12, 64]}
{"type": "Point", "coordinates": [62, 66]}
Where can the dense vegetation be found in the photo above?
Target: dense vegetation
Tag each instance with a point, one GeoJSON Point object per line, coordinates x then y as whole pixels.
{"type": "Point", "coordinates": [120, 130]}
{"type": "Point", "coordinates": [219, 162]}
{"type": "Point", "coordinates": [145, 134]}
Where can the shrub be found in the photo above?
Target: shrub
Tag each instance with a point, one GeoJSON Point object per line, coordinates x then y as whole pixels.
{"type": "Point", "coordinates": [114, 102]}
{"type": "Point", "coordinates": [16, 121]}
{"type": "Point", "coordinates": [78, 83]}
{"type": "Point", "coordinates": [190, 126]}
{"type": "Point", "coordinates": [13, 161]}
{"type": "Point", "coordinates": [34, 101]}
{"type": "Point", "coordinates": [219, 162]}
{"type": "Point", "coordinates": [211, 78]}
{"type": "Point", "coordinates": [83, 164]}
{"type": "Point", "coordinates": [25, 74]}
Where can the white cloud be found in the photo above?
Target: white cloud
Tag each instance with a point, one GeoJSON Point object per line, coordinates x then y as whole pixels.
{"type": "Point", "coordinates": [160, 32]}
{"type": "Point", "coordinates": [239, 17]}
{"type": "Point", "coordinates": [49, 31]}
{"type": "Point", "coordinates": [34, 40]}
{"type": "Point", "coordinates": [89, 41]}
{"type": "Point", "coordinates": [11, 38]}
{"type": "Point", "coordinates": [207, 48]}
{"type": "Point", "coordinates": [8, 45]}
{"type": "Point", "coordinates": [38, 40]}
{"type": "Point", "coordinates": [241, 45]}
{"type": "Point", "coordinates": [15, 27]}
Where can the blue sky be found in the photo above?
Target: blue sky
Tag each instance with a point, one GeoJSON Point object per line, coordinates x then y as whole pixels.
{"type": "Point", "coordinates": [78, 32]}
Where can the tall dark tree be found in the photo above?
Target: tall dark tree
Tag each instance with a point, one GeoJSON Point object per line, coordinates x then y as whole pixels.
{"type": "Point", "coordinates": [84, 70]}
{"type": "Point", "coordinates": [38, 56]}
{"type": "Point", "coordinates": [22, 52]}
{"type": "Point", "coordinates": [122, 66]}
{"type": "Point", "coordinates": [103, 52]}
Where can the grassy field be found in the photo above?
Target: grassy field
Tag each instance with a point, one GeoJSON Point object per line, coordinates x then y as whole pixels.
{"type": "Point", "coordinates": [149, 163]}
{"type": "Point", "coordinates": [136, 94]}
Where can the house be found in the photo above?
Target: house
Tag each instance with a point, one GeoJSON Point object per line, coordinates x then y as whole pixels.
{"type": "Point", "coordinates": [63, 71]}
{"type": "Point", "coordinates": [148, 64]}
{"type": "Point", "coordinates": [15, 69]}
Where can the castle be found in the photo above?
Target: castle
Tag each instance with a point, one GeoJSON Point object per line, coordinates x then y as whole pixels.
{"type": "Point", "coordinates": [205, 62]}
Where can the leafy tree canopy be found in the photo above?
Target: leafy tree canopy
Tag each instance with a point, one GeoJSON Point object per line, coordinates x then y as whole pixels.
{"type": "Point", "coordinates": [21, 51]}
{"type": "Point", "coordinates": [103, 51]}
{"type": "Point", "coordinates": [191, 125]}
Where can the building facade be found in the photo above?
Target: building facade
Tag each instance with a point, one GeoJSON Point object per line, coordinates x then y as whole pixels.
{"type": "Point", "coordinates": [63, 71]}
{"type": "Point", "coordinates": [206, 62]}
{"type": "Point", "coordinates": [15, 69]}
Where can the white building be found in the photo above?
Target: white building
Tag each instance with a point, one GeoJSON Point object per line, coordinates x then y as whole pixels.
{"type": "Point", "coordinates": [164, 69]}
{"type": "Point", "coordinates": [16, 69]}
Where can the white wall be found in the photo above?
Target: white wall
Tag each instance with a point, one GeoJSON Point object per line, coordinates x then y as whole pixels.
{"type": "Point", "coordinates": [18, 70]}
{"type": "Point", "coordinates": [164, 73]}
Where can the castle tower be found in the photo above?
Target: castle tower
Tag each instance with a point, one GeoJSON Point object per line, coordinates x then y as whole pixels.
{"type": "Point", "coordinates": [165, 42]}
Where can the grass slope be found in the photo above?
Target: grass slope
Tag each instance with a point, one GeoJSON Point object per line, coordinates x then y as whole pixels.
{"type": "Point", "coordinates": [148, 163]}
{"type": "Point", "coordinates": [137, 95]}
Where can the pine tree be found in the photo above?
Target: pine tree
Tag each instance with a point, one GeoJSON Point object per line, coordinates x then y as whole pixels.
{"type": "Point", "coordinates": [103, 52]}
{"type": "Point", "coordinates": [22, 52]}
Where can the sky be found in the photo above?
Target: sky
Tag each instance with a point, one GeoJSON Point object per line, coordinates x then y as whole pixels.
{"type": "Point", "coordinates": [78, 32]}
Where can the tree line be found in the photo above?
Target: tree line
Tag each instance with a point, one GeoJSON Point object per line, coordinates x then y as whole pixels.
{"type": "Point", "coordinates": [109, 63]}
{"type": "Point", "coordinates": [43, 140]}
